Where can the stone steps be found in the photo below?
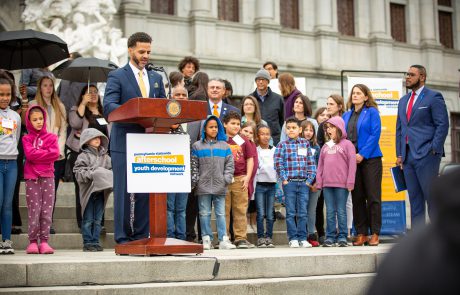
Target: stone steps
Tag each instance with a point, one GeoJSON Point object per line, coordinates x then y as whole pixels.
{"type": "Point", "coordinates": [251, 271]}
{"type": "Point", "coordinates": [74, 269]}
{"type": "Point", "coordinates": [318, 285]}
{"type": "Point", "coordinates": [65, 218]}
{"type": "Point", "coordinates": [65, 195]}
{"type": "Point", "coordinates": [61, 241]}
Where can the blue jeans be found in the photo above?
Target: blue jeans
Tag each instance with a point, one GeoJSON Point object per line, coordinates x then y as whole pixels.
{"type": "Point", "coordinates": [335, 199]}
{"type": "Point", "coordinates": [204, 204]}
{"type": "Point", "coordinates": [177, 203]}
{"type": "Point", "coordinates": [92, 218]}
{"type": "Point", "coordinates": [265, 199]}
{"type": "Point", "coordinates": [8, 175]}
{"type": "Point", "coordinates": [296, 199]}
{"type": "Point", "coordinates": [311, 209]}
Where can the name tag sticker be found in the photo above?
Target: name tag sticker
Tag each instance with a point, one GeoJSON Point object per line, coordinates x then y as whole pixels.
{"type": "Point", "coordinates": [102, 121]}
{"type": "Point", "coordinates": [302, 151]}
{"type": "Point", "coordinates": [238, 140]}
{"type": "Point", "coordinates": [7, 123]}
{"type": "Point", "coordinates": [330, 143]}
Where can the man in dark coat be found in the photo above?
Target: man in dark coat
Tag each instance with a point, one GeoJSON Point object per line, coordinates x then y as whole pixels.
{"type": "Point", "coordinates": [271, 104]}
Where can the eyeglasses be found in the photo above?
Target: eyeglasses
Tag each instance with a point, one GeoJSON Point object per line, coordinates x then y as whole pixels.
{"type": "Point", "coordinates": [410, 74]}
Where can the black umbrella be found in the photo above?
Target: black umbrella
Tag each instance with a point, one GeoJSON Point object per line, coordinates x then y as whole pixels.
{"type": "Point", "coordinates": [30, 49]}
{"type": "Point", "coordinates": [85, 69]}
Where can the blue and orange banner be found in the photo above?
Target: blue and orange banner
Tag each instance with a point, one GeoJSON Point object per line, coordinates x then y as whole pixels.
{"type": "Point", "coordinates": [158, 163]}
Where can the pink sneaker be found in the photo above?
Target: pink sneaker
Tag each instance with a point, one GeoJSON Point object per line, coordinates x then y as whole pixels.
{"type": "Point", "coordinates": [32, 248]}
{"type": "Point", "coordinates": [45, 248]}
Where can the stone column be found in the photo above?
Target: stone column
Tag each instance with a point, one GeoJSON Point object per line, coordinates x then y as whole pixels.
{"type": "Point", "coordinates": [381, 40]}
{"type": "Point", "coordinates": [203, 28]}
{"type": "Point", "coordinates": [324, 15]}
{"type": "Point", "coordinates": [139, 5]}
{"type": "Point", "coordinates": [201, 8]}
{"type": "Point", "coordinates": [427, 20]}
{"type": "Point", "coordinates": [267, 30]}
{"type": "Point", "coordinates": [378, 16]}
{"type": "Point", "coordinates": [431, 48]}
{"type": "Point", "coordinates": [133, 15]}
{"type": "Point", "coordinates": [326, 39]}
{"type": "Point", "coordinates": [265, 11]}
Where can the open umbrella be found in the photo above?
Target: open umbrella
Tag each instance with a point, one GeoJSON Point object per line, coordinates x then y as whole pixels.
{"type": "Point", "coordinates": [30, 49]}
{"type": "Point", "coordinates": [85, 69]}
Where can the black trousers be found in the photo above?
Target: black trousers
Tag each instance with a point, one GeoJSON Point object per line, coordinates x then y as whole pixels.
{"type": "Point", "coordinates": [319, 223]}
{"type": "Point", "coordinates": [72, 159]}
{"type": "Point", "coordinates": [59, 169]}
{"type": "Point", "coordinates": [20, 160]}
{"type": "Point", "coordinates": [191, 218]}
{"type": "Point", "coordinates": [367, 197]}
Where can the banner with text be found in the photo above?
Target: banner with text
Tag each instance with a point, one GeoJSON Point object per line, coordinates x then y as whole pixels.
{"type": "Point", "coordinates": [158, 163]}
{"type": "Point", "coordinates": [386, 92]}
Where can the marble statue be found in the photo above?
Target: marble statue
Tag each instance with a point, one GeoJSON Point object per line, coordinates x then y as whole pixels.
{"type": "Point", "coordinates": [85, 25]}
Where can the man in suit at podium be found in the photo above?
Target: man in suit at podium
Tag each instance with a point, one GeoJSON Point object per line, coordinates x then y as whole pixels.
{"type": "Point", "coordinates": [216, 92]}
{"type": "Point", "coordinates": [130, 81]}
{"type": "Point", "coordinates": [421, 129]}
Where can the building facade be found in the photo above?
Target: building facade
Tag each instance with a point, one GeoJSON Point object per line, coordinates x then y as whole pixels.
{"type": "Point", "coordinates": [315, 39]}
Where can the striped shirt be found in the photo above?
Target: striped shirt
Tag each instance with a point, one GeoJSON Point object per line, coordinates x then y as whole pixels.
{"type": "Point", "coordinates": [294, 159]}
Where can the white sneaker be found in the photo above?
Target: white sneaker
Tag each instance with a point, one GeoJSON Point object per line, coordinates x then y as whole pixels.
{"type": "Point", "coordinates": [225, 244]}
{"type": "Point", "coordinates": [249, 229]}
{"type": "Point", "coordinates": [305, 244]}
{"type": "Point", "coordinates": [206, 243]}
{"type": "Point", "coordinates": [294, 244]}
{"type": "Point", "coordinates": [6, 247]}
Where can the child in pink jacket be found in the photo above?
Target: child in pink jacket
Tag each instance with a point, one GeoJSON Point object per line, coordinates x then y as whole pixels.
{"type": "Point", "coordinates": [336, 176]}
{"type": "Point", "coordinates": [41, 150]}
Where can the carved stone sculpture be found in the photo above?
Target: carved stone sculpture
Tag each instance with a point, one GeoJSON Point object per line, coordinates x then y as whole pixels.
{"type": "Point", "coordinates": [86, 26]}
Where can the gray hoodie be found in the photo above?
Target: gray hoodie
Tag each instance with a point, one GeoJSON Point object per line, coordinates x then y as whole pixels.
{"type": "Point", "coordinates": [215, 162]}
{"type": "Point", "coordinates": [93, 168]}
{"type": "Point", "coordinates": [9, 137]}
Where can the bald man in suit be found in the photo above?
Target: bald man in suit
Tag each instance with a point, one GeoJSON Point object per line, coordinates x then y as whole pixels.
{"type": "Point", "coordinates": [421, 129]}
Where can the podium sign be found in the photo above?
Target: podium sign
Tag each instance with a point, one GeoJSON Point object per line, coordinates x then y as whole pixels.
{"type": "Point", "coordinates": [158, 163]}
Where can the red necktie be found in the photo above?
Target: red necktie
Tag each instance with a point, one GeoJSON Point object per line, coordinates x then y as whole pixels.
{"type": "Point", "coordinates": [409, 107]}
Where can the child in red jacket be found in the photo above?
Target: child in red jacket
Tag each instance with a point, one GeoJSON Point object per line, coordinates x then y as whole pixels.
{"type": "Point", "coordinates": [41, 150]}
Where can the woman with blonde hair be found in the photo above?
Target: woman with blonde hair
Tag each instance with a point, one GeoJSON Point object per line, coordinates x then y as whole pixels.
{"type": "Point", "coordinates": [289, 92]}
{"type": "Point", "coordinates": [56, 122]}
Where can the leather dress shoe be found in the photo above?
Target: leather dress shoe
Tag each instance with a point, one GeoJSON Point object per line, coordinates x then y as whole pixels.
{"type": "Point", "coordinates": [374, 241]}
{"type": "Point", "coordinates": [360, 240]}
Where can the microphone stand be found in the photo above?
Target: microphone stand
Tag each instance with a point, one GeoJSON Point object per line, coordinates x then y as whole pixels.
{"type": "Point", "coordinates": [161, 69]}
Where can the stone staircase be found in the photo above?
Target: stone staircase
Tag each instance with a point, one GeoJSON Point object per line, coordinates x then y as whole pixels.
{"type": "Point", "coordinates": [252, 271]}
{"type": "Point", "coordinates": [67, 232]}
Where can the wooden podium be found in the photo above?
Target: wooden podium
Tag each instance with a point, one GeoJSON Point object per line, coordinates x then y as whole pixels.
{"type": "Point", "coordinates": [157, 115]}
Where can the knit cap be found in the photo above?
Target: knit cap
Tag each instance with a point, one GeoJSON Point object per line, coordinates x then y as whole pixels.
{"type": "Point", "coordinates": [264, 74]}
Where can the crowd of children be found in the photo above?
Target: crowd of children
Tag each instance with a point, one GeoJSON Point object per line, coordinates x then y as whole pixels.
{"type": "Point", "coordinates": [234, 169]}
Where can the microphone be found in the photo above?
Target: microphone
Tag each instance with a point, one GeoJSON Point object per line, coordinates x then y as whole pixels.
{"type": "Point", "coordinates": [151, 67]}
